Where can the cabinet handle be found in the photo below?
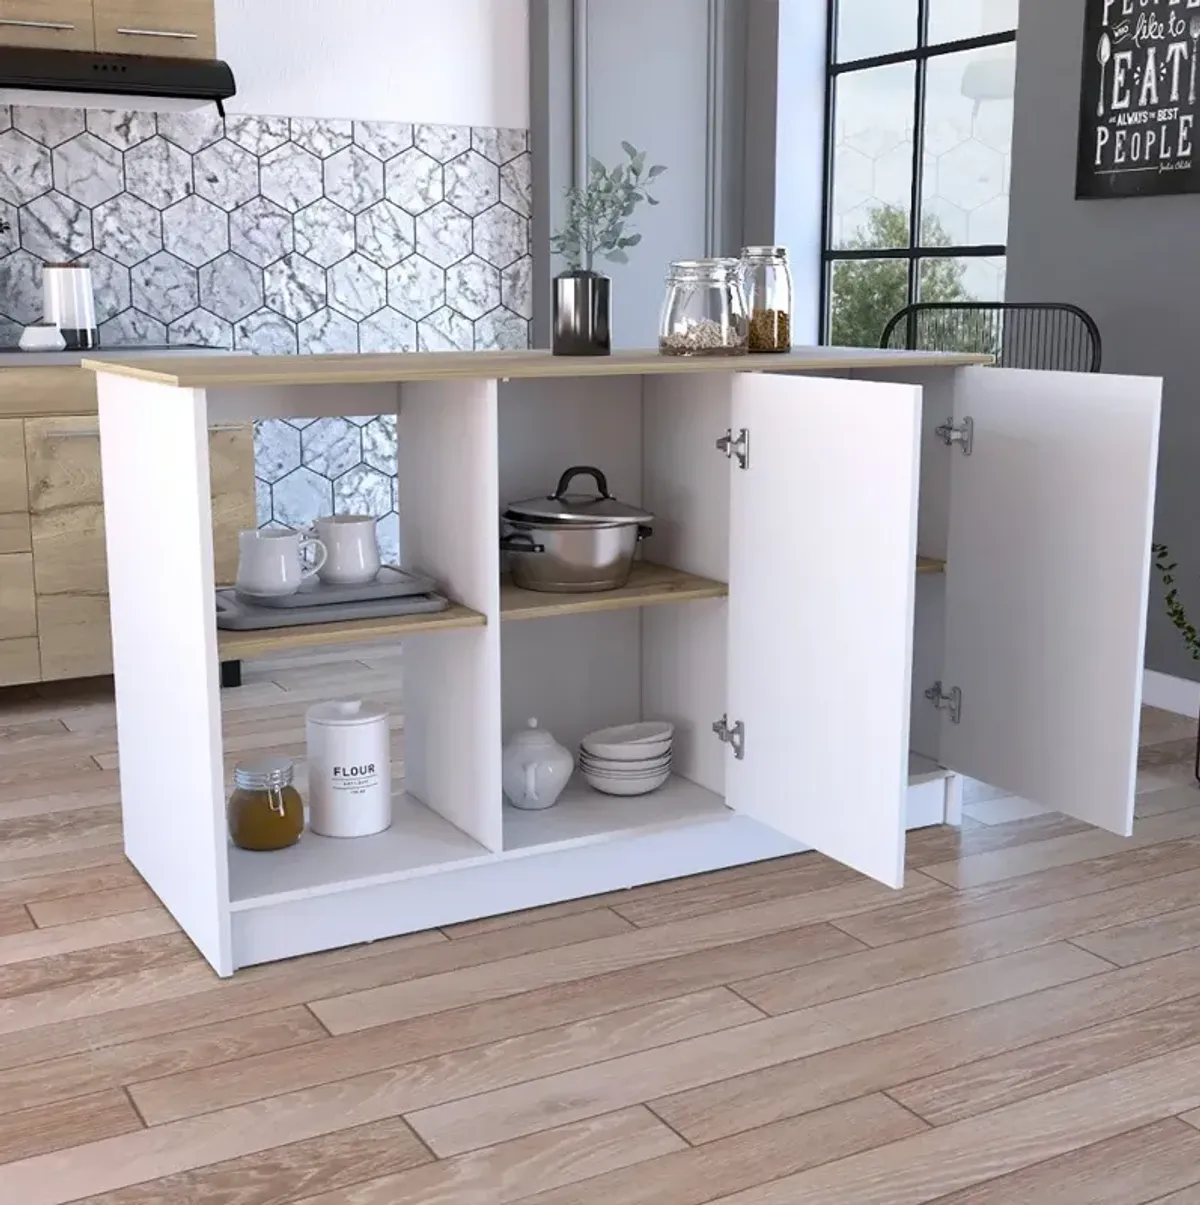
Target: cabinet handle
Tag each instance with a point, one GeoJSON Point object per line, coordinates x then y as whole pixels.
{"type": "Point", "coordinates": [55, 25]}
{"type": "Point", "coordinates": [158, 33]}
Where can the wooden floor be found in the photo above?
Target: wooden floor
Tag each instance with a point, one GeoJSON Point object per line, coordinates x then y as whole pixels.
{"type": "Point", "coordinates": [1021, 1024]}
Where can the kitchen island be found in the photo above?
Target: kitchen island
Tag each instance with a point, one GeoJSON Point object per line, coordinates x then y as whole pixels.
{"type": "Point", "coordinates": [880, 570]}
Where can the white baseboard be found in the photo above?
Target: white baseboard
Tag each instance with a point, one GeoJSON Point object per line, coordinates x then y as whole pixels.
{"type": "Point", "coordinates": [1171, 694]}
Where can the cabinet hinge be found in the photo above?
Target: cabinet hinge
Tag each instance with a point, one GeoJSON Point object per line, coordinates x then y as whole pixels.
{"type": "Point", "coordinates": [739, 446]}
{"type": "Point", "coordinates": [948, 701]}
{"type": "Point", "coordinates": [963, 434]}
{"type": "Point", "coordinates": [734, 735]}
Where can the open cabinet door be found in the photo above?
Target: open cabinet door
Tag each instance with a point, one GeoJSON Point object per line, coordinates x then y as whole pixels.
{"type": "Point", "coordinates": [821, 581]}
{"type": "Point", "coordinates": [1047, 575]}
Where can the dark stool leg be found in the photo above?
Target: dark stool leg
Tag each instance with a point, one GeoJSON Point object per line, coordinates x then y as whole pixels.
{"type": "Point", "coordinates": [1196, 767]}
{"type": "Point", "coordinates": [231, 674]}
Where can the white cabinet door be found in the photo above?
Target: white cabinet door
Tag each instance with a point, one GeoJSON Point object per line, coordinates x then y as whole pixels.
{"type": "Point", "coordinates": [821, 580]}
{"type": "Point", "coordinates": [1046, 582]}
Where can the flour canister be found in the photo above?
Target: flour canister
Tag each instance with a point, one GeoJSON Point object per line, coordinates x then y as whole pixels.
{"type": "Point", "coordinates": [349, 769]}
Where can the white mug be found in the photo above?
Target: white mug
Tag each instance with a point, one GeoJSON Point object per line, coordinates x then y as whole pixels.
{"type": "Point", "coordinates": [353, 547]}
{"type": "Point", "coordinates": [274, 561]}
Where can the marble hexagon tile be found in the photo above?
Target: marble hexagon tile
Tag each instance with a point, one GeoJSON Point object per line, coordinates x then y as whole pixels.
{"type": "Point", "coordinates": [270, 234]}
{"type": "Point", "coordinates": [276, 236]}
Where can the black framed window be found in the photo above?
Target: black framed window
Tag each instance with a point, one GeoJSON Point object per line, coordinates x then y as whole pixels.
{"type": "Point", "coordinates": [918, 150]}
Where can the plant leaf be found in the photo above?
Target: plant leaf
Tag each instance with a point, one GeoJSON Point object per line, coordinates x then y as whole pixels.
{"type": "Point", "coordinates": [617, 257]}
{"type": "Point", "coordinates": [639, 161]}
{"type": "Point", "coordinates": [656, 171]}
{"type": "Point", "coordinates": [631, 241]}
{"type": "Point", "coordinates": [628, 148]}
{"type": "Point", "coordinates": [650, 200]}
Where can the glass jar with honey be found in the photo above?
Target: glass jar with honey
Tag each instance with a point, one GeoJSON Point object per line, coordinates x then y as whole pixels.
{"type": "Point", "coordinates": [265, 810]}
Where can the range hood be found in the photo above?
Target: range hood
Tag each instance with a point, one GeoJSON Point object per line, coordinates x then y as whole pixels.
{"type": "Point", "coordinates": [88, 79]}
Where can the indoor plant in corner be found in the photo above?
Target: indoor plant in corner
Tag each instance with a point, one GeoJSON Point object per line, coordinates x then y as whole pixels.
{"type": "Point", "coordinates": [595, 225]}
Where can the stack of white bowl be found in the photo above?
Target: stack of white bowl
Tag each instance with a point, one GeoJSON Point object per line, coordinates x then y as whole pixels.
{"type": "Point", "coordinates": [633, 759]}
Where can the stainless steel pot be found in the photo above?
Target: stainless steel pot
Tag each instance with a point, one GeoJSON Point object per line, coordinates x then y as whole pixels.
{"type": "Point", "coordinates": [573, 543]}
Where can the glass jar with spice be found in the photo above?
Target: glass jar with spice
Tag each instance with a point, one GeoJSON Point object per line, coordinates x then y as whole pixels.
{"type": "Point", "coordinates": [703, 313]}
{"type": "Point", "coordinates": [265, 810]}
{"type": "Point", "coordinates": [766, 282]}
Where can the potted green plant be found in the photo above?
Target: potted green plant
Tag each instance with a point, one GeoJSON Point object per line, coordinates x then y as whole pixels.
{"type": "Point", "coordinates": [596, 225]}
{"type": "Point", "coordinates": [1175, 609]}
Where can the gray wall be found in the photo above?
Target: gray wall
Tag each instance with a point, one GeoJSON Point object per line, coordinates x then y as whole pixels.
{"type": "Point", "coordinates": [677, 78]}
{"type": "Point", "coordinates": [1133, 264]}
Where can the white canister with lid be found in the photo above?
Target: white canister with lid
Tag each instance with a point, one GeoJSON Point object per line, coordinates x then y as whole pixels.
{"type": "Point", "coordinates": [349, 769]}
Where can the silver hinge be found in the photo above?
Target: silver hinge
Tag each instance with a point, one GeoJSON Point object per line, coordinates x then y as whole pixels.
{"type": "Point", "coordinates": [950, 702]}
{"type": "Point", "coordinates": [963, 434]}
{"type": "Point", "coordinates": [739, 447]}
{"type": "Point", "coordinates": [734, 735]}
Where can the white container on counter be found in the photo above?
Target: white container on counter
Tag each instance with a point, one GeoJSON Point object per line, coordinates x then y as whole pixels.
{"type": "Point", "coordinates": [349, 769]}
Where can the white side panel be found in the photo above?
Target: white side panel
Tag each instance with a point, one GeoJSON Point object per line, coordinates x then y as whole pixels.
{"type": "Point", "coordinates": [158, 524]}
{"type": "Point", "coordinates": [1047, 580]}
{"type": "Point", "coordinates": [929, 651]}
{"type": "Point", "coordinates": [446, 442]}
{"type": "Point", "coordinates": [822, 548]}
{"type": "Point", "coordinates": [686, 484]}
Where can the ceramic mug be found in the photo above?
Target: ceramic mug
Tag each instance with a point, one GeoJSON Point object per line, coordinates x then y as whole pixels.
{"type": "Point", "coordinates": [275, 561]}
{"type": "Point", "coordinates": [353, 547]}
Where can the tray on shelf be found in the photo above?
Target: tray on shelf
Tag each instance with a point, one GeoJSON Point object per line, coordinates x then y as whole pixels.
{"type": "Point", "coordinates": [390, 582]}
{"type": "Point", "coordinates": [239, 614]}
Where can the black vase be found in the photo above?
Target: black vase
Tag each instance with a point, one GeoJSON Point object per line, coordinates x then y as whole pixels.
{"type": "Point", "coordinates": [582, 314]}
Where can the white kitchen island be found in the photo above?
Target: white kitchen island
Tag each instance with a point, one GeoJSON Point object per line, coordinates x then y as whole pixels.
{"type": "Point", "coordinates": [898, 568]}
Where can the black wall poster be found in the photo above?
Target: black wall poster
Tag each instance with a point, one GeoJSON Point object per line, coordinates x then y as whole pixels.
{"type": "Point", "coordinates": [1141, 80]}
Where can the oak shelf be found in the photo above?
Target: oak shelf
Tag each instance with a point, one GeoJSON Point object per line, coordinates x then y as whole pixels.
{"type": "Point", "coordinates": [235, 645]}
{"type": "Point", "coordinates": [649, 586]}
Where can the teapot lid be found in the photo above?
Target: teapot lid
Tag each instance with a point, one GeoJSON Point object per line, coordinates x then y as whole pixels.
{"type": "Point", "coordinates": [533, 737]}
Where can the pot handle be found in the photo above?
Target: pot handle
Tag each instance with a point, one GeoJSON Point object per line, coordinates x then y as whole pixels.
{"type": "Point", "coordinates": [519, 541]}
{"type": "Point", "coordinates": [644, 532]}
{"type": "Point", "coordinates": [582, 470]}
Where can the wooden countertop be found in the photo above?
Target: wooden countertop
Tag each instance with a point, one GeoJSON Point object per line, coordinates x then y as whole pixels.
{"type": "Point", "coordinates": [210, 372]}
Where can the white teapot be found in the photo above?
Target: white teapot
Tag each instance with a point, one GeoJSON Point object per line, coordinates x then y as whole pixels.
{"type": "Point", "coordinates": [535, 768]}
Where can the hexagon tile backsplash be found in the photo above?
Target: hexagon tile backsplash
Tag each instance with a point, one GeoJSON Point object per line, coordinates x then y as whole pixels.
{"type": "Point", "coordinates": [276, 235]}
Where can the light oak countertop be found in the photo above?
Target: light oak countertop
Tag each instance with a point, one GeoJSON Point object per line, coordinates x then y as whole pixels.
{"type": "Point", "coordinates": [209, 372]}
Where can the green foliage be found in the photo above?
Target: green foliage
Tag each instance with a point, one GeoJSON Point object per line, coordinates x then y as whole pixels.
{"type": "Point", "coordinates": [1175, 609]}
{"type": "Point", "coordinates": [597, 214]}
{"type": "Point", "coordinates": [867, 293]}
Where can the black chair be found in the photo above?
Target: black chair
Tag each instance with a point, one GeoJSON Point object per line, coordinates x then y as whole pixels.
{"type": "Point", "coordinates": [1019, 334]}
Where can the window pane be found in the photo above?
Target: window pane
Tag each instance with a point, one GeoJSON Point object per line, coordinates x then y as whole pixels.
{"type": "Point", "coordinates": [967, 279]}
{"type": "Point", "coordinates": [872, 157]}
{"type": "Point", "coordinates": [968, 147]}
{"type": "Point", "coordinates": [863, 295]}
{"type": "Point", "coordinates": [952, 20]}
{"type": "Point", "coordinates": [866, 28]}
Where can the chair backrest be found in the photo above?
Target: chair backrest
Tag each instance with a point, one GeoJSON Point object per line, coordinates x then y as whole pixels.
{"type": "Point", "coordinates": [1052, 336]}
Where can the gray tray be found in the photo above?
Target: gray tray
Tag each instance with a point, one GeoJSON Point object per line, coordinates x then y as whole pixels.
{"type": "Point", "coordinates": [238, 614]}
{"type": "Point", "coordinates": [390, 582]}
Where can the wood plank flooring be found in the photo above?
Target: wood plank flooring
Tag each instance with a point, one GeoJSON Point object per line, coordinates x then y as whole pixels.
{"type": "Point", "coordinates": [1020, 1023]}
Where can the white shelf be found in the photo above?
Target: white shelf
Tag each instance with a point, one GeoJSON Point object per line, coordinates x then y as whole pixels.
{"type": "Point", "coordinates": [583, 816]}
{"type": "Point", "coordinates": [419, 842]}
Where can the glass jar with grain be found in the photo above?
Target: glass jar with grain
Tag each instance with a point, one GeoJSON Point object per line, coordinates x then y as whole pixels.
{"type": "Point", "coordinates": [766, 282]}
{"type": "Point", "coordinates": [265, 810]}
{"type": "Point", "coordinates": [703, 313]}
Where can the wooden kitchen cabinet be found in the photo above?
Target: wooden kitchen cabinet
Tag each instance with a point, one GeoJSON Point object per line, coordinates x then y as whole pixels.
{"type": "Point", "coordinates": [55, 464]}
{"type": "Point", "coordinates": [174, 28]}
{"type": "Point", "coordinates": [54, 24]}
{"type": "Point", "coordinates": [18, 619]}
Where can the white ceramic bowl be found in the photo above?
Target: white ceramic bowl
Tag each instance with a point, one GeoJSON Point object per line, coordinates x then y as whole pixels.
{"type": "Point", "coordinates": [627, 786]}
{"type": "Point", "coordinates": [645, 769]}
{"type": "Point", "coordinates": [630, 742]}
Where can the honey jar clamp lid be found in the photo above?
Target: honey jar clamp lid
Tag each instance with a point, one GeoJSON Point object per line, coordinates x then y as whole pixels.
{"type": "Point", "coordinates": [264, 774]}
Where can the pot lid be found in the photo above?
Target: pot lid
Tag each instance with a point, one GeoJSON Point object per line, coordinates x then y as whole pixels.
{"type": "Point", "coordinates": [565, 507]}
{"type": "Point", "coordinates": [346, 712]}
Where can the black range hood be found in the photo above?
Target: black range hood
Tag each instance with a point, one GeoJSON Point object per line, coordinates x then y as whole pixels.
{"type": "Point", "coordinates": [89, 79]}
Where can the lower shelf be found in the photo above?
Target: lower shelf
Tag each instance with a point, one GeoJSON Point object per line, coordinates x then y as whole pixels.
{"type": "Point", "coordinates": [583, 816]}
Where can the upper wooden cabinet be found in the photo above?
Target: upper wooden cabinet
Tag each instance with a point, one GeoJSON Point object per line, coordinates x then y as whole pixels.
{"type": "Point", "coordinates": [58, 24]}
{"type": "Point", "coordinates": [175, 28]}
{"type": "Point", "coordinates": [171, 28]}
